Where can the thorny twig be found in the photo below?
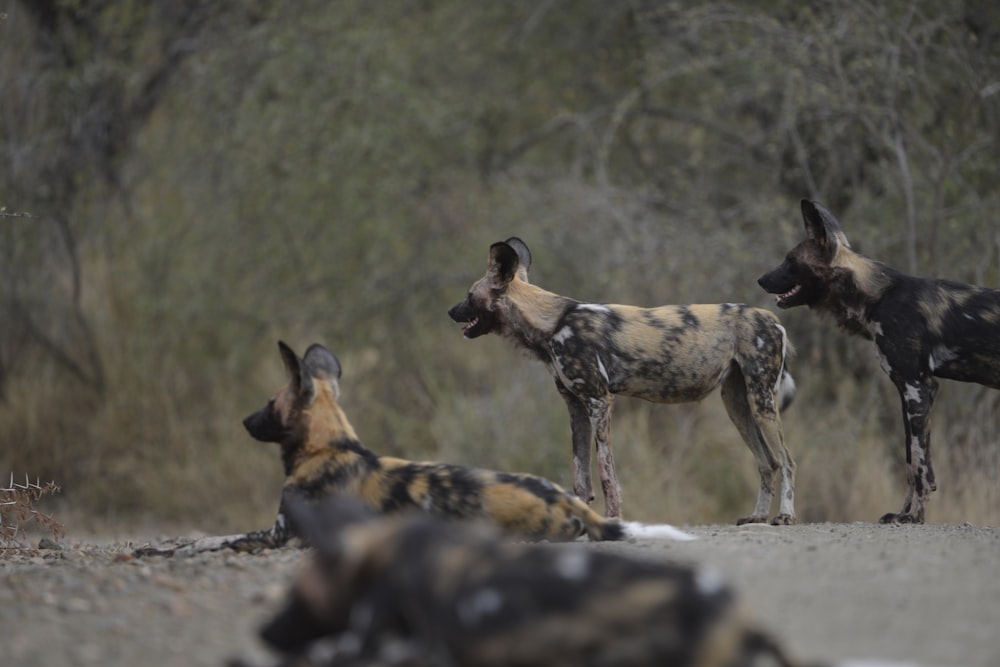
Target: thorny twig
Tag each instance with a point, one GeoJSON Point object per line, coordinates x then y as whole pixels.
{"type": "Point", "coordinates": [17, 510]}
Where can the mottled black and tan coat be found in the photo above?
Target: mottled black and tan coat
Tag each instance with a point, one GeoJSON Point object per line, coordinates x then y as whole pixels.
{"type": "Point", "coordinates": [669, 354]}
{"type": "Point", "coordinates": [416, 591]}
{"type": "Point", "coordinates": [922, 328]}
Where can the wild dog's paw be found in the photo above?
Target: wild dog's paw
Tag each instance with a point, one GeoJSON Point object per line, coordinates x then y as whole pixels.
{"type": "Point", "coordinates": [751, 519]}
{"type": "Point", "coordinates": [149, 550]}
{"type": "Point", "coordinates": [783, 519]}
{"type": "Point", "coordinates": [204, 544]}
{"type": "Point", "coordinates": [901, 517]}
{"type": "Point", "coordinates": [167, 548]}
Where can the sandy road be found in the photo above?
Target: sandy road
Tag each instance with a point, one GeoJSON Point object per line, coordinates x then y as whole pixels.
{"type": "Point", "coordinates": [924, 594]}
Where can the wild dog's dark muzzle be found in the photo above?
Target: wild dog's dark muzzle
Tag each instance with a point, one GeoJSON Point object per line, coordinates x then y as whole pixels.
{"type": "Point", "coordinates": [461, 311]}
{"type": "Point", "coordinates": [782, 284]}
{"type": "Point", "coordinates": [475, 322]}
{"type": "Point", "coordinates": [776, 281]}
{"type": "Point", "coordinates": [295, 626]}
{"type": "Point", "coordinates": [265, 425]}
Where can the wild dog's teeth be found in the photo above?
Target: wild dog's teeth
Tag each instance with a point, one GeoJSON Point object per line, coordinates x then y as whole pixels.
{"type": "Point", "coordinates": [790, 293]}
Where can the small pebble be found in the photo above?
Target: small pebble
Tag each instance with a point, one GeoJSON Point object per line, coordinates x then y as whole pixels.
{"type": "Point", "coordinates": [48, 543]}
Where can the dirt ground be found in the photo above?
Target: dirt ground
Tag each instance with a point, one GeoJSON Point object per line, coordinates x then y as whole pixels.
{"type": "Point", "coordinates": [923, 595]}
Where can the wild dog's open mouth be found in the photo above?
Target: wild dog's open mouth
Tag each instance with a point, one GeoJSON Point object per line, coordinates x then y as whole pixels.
{"type": "Point", "coordinates": [475, 322]}
{"type": "Point", "coordinates": [783, 299]}
{"type": "Point", "coordinates": [468, 325]}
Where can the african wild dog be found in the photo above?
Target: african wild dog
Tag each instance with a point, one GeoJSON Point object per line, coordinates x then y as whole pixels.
{"type": "Point", "coordinates": [921, 327]}
{"type": "Point", "coordinates": [323, 456]}
{"type": "Point", "coordinates": [670, 354]}
{"type": "Point", "coordinates": [414, 590]}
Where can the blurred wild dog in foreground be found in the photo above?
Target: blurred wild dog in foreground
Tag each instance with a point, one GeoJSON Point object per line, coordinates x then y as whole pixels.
{"type": "Point", "coordinates": [412, 590]}
{"type": "Point", "coordinates": [922, 328]}
{"type": "Point", "coordinates": [670, 354]}
{"type": "Point", "coordinates": [323, 456]}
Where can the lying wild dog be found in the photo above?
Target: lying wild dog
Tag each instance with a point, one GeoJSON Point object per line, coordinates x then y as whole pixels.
{"type": "Point", "coordinates": [670, 354]}
{"type": "Point", "coordinates": [922, 328]}
{"type": "Point", "coordinates": [323, 456]}
{"type": "Point", "coordinates": [414, 590]}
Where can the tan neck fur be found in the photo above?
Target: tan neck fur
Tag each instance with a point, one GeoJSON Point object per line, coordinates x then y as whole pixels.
{"type": "Point", "coordinates": [326, 420]}
{"type": "Point", "coordinates": [532, 310]}
{"type": "Point", "coordinates": [869, 277]}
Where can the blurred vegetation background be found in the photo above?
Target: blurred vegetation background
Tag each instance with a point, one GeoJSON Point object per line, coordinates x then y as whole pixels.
{"type": "Point", "coordinates": [187, 182]}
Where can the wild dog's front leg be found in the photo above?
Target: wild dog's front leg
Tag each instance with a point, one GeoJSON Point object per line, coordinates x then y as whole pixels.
{"type": "Point", "coordinates": [917, 397]}
{"type": "Point", "coordinates": [579, 419]}
{"type": "Point", "coordinates": [277, 536]}
{"type": "Point", "coordinates": [600, 420]}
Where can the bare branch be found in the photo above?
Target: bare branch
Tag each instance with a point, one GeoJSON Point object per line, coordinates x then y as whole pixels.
{"type": "Point", "coordinates": [17, 511]}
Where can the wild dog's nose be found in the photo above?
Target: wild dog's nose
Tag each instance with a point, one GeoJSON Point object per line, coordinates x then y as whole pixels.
{"type": "Point", "coordinates": [454, 311]}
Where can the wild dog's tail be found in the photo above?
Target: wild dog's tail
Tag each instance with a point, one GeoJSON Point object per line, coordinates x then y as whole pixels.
{"type": "Point", "coordinates": [786, 383]}
{"type": "Point", "coordinates": [786, 390]}
{"type": "Point", "coordinates": [600, 529]}
{"type": "Point", "coordinates": [612, 530]}
{"type": "Point", "coordinates": [655, 531]}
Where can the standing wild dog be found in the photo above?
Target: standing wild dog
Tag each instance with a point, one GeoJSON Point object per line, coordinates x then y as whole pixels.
{"type": "Point", "coordinates": [415, 591]}
{"type": "Point", "coordinates": [922, 328]}
{"type": "Point", "coordinates": [323, 457]}
{"type": "Point", "coordinates": [670, 354]}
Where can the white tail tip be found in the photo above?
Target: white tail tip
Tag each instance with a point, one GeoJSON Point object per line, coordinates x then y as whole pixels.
{"type": "Point", "coordinates": [656, 531]}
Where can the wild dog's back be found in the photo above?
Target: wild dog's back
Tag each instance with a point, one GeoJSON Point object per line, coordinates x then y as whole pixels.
{"type": "Point", "coordinates": [523, 505]}
{"type": "Point", "coordinates": [667, 354]}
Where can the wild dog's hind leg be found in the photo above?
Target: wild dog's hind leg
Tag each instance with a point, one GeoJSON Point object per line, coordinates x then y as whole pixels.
{"type": "Point", "coordinates": [600, 421]}
{"type": "Point", "coordinates": [751, 407]}
{"type": "Point", "coordinates": [917, 397]}
{"type": "Point", "coordinates": [579, 421]}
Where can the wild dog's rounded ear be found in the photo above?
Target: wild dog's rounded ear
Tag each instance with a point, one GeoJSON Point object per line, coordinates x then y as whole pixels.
{"type": "Point", "coordinates": [298, 374]}
{"type": "Point", "coordinates": [321, 363]}
{"type": "Point", "coordinates": [504, 262]}
{"type": "Point", "coordinates": [822, 227]}
{"type": "Point", "coordinates": [523, 256]}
